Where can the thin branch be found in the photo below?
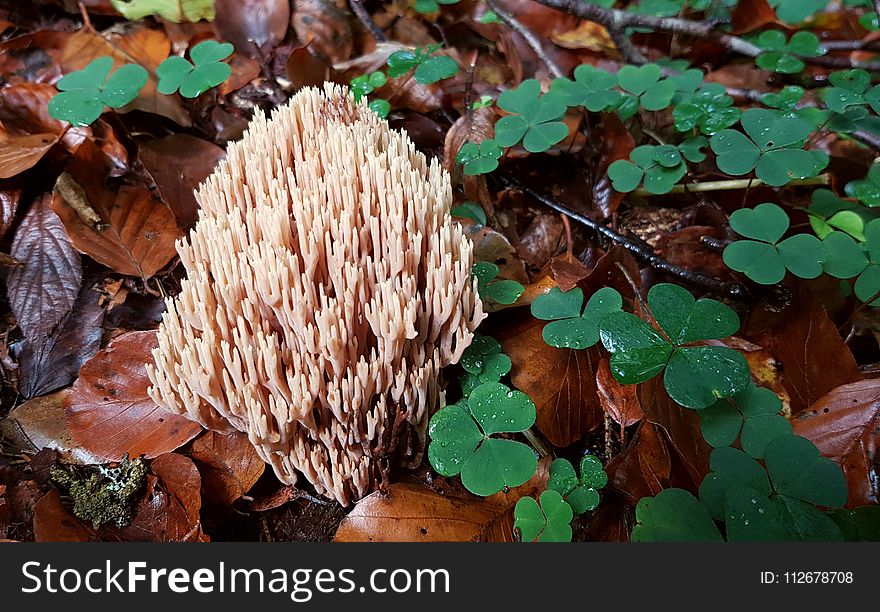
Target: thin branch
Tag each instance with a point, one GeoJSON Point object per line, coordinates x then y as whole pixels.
{"type": "Point", "coordinates": [357, 7]}
{"type": "Point", "coordinates": [638, 249]}
{"type": "Point", "coordinates": [529, 36]}
{"type": "Point", "coordinates": [617, 20]}
{"type": "Point", "coordinates": [735, 184]}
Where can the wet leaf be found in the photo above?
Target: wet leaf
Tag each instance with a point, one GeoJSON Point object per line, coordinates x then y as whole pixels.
{"type": "Point", "coordinates": [109, 412]}
{"type": "Point", "coordinates": [229, 465]}
{"type": "Point", "coordinates": [251, 24]}
{"type": "Point", "coordinates": [44, 289]}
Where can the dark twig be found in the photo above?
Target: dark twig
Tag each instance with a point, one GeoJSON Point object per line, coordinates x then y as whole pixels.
{"type": "Point", "coordinates": [530, 38]}
{"type": "Point", "coordinates": [617, 20]}
{"type": "Point", "coordinates": [728, 289]}
{"type": "Point", "coordinates": [357, 7]}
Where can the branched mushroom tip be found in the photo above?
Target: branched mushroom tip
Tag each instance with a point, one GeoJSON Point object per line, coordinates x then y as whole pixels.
{"type": "Point", "coordinates": [326, 287]}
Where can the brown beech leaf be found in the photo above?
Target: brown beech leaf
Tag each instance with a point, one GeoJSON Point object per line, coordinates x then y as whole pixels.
{"type": "Point", "coordinates": [541, 240]}
{"type": "Point", "coordinates": [620, 402]}
{"type": "Point", "coordinates": [169, 510]}
{"type": "Point", "coordinates": [568, 272]}
{"type": "Point", "coordinates": [305, 68]}
{"type": "Point", "coordinates": [109, 412]}
{"type": "Point", "coordinates": [179, 163]}
{"type": "Point", "coordinates": [136, 231]}
{"type": "Point", "coordinates": [39, 423]}
{"type": "Point", "coordinates": [44, 289]}
{"type": "Point", "coordinates": [24, 107]}
{"type": "Point", "coordinates": [229, 465]}
{"type": "Point", "coordinates": [845, 425]}
{"type": "Point", "coordinates": [615, 142]}
{"type": "Point", "coordinates": [806, 343]}
{"type": "Point", "coordinates": [54, 523]}
{"type": "Point", "coordinates": [682, 427]}
{"type": "Point", "coordinates": [325, 26]}
{"type": "Point", "coordinates": [20, 153]}
{"type": "Point", "coordinates": [587, 35]}
{"type": "Point", "coordinates": [414, 513]}
{"type": "Point", "coordinates": [9, 199]}
{"type": "Point", "coordinates": [561, 382]}
{"type": "Point", "coordinates": [251, 24]}
{"type": "Point", "coordinates": [749, 15]}
{"type": "Point", "coordinates": [55, 362]}
{"type": "Point", "coordinates": [645, 467]}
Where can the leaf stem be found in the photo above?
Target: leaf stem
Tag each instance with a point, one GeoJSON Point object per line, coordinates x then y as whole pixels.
{"type": "Point", "coordinates": [734, 185]}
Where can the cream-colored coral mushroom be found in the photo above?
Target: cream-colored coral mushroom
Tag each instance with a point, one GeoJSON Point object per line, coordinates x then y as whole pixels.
{"type": "Point", "coordinates": [326, 287]}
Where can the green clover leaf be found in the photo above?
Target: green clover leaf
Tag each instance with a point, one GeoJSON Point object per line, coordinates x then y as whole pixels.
{"type": "Point", "coordinates": [581, 493]}
{"type": "Point", "coordinates": [783, 57]}
{"type": "Point", "coordinates": [844, 257]}
{"type": "Point", "coordinates": [773, 148]}
{"type": "Point", "coordinates": [673, 515]}
{"type": "Point", "coordinates": [695, 376]}
{"type": "Point", "coordinates": [764, 259]}
{"type": "Point", "coordinates": [658, 168]}
{"type": "Point", "coordinates": [534, 118]}
{"type": "Point", "coordinates": [866, 190]}
{"type": "Point", "coordinates": [380, 107]}
{"type": "Point", "coordinates": [462, 442]}
{"type": "Point", "coordinates": [434, 69]}
{"type": "Point", "coordinates": [367, 83]}
{"type": "Point", "coordinates": [592, 88]}
{"type": "Point", "coordinates": [849, 87]}
{"type": "Point", "coordinates": [426, 7]}
{"type": "Point", "coordinates": [86, 92]}
{"type": "Point", "coordinates": [569, 327]}
{"type": "Point", "coordinates": [710, 109]}
{"type": "Point", "coordinates": [498, 291]}
{"type": "Point", "coordinates": [778, 503]}
{"type": "Point", "coordinates": [754, 413]}
{"type": "Point", "coordinates": [644, 82]}
{"type": "Point", "coordinates": [786, 99]}
{"type": "Point", "coordinates": [207, 70]}
{"type": "Point", "coordinates": [829, 213]}
{"type": "Point", "coordinates": [795, 11]}
{"type": "Point", "coordinates": [470, 210]}
{"type": "Point", "coordinates": [479, 158]}
{"type": "Point", "coordinates": [484, 359]}
{"type": "Point", "coordinates": [548, 521]}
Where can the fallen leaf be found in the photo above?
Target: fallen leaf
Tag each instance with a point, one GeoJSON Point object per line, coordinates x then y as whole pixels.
{"type": "Point", "coordinates": [44, 289]}
{"type": "Point", "coordinates": [55, 362]}
{"type": "Point", "coordinates": [620, 402]}
{"type": "Point", "coordinates": [750, 15]}
{"type": "Point", "coordinates": [252, 24]}
{"type": "Point", "coordinates": [414, 513]}
{"type": "Point", "coordinates": [325, 26]}
{"type": "Point", "coordinates": [24, 108]}
{"type": "Point", "coordinates": [109, 412]}
{"type": "Point", "coordinates": [20, 153]}
{"type": "Point", "coordinates": [845, 426]}
{"type": "Point", "coordinates": [9, 200]}
{"type": "Point", "coordinates": [54, 523]}
{"type": "Point", "coordinates": [169, 510]}
{"type": "Point", "coordinates": [806, 332]}
{"type": "Point", "coordinates": [39, 423]}
{"type": "Point", "coordinates": [179, 164]}
{"type": "Point", "coordinates": [306, 69]}
{"type": "Point", "coordinates": [541, 240]}
{"type": "Point", "coordinates": [561, 382]}
{"type": "Point", "coordinates": [645, 467]}
{"type": "Point", "coordinates": [615, 142]}
{"type": "Point", "coordinates": [229, 465]}
{"type": "Point", "coordinates": [587, 35]}
{"type": "Point", "coordinates": [138, 230]}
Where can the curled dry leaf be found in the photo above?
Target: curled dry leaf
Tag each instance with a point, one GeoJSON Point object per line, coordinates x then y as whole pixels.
{"type": "Point", "coordinates": [845, 426]}
{"type": "Point", "coordinates": [645, 467]}
{"type": "Point", "coordinates": [9, 199]}
{"type": "Point", "coordinates": [169, 510]}
{"type": "Point", "coordinates": [587, 35]}
{"type": "Point", "coordinates": [561, 382]}
{"type": "Point", "coordinates": [620, 402]}
{"type": "Point", "coordinates": [137, 231]}
{"type": "Point", "coordinates": [325, 26]}
{"type": "Point", "coordinates": [615, 142]}
{"type": "Point", "coordinates": [251, 24]}
{"type": "Point", "coordinates": [21, 153]}
{"type": "Point", "coordinates": [414, 513]}
{"type": "Point", "coordinates": [109, 412]}
{"type": "Point", "coordinates": [44, 289]}
{"type": "Point", "coordinates": [229, 465]}
{"type": "Point", "coordinates": [179, 163]}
